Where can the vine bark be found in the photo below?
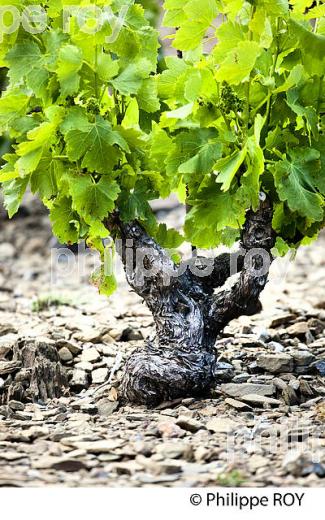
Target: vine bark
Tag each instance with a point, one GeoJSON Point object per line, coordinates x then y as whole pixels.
{"type": "Point", "coordinates": [179, 360]}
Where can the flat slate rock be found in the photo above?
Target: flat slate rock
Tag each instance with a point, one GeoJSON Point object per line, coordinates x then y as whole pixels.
{"type": "Point", "coordinates": [260, 400]}
{"type": "Point", "coordinates": [240, 390]}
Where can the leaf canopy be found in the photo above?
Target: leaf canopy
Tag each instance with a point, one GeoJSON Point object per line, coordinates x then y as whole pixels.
{"type": "Point", "coordinates": [100, 121]}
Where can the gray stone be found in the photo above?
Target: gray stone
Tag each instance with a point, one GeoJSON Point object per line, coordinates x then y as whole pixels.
{"type": "Point", "coordinates": [289, 395]}
{"type": "Point", "coordinates": [107, 407]}
{"type": "Point", "coordinates": [170, 430]}
{"type": "Point", "coordinates": [90, 354]}
{"type": "Point", "coordinates": [275, 363]}
{"type": "Point", "coordinates": [188, 424]}
{"type": "Point", "coordinates": [7, 251]}
{"type": "Point", "coordinates": [84, 365]}
{"type": "Point", "coordinates": [175, 450]}
{"type": "Point", "coordinates": [65, 355]}
{"type": "Point", "coordinates": [73, 347]}
{"type": "Point", "coordinates": [275, 346]}
{"type": "Point", "coordinates": [79, 378]}
{"type": "Point", "coordinates": [16, 405]}
{"type": "Point", "coordinates": [298, 329]}
{"type": "Point", "coordinates": [295, 462]}
{"type": "Point", "coordinates": [222, 425]}
{"type": "Point", "coordinates": [241, 378]}
{"type": "Point", "coordinates": [238, 405]}
{"type": "Point", "coordinates": [99, 375]}
{"type": "Point", "coordinates": [303, 357]}
{"type": "Point", "coordinates": [260, 400]}
{"type": "Point", "coordinates": [101, 446]}
{"type": "Point", "coordinates": [224, 372]}
{"type": "Point", "coordinates": [239, 390]}
{"type": "Point", "coordinates": [283, 319]}
{"type": "Point", "coordinates": [320, 367]}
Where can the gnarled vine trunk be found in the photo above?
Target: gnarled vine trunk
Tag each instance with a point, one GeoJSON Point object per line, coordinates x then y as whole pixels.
{"type": "Point", "coordinates": [179, 360]}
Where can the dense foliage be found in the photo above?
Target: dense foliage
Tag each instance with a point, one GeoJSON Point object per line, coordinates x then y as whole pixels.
{"type": "Point", "coordinates": [97, 127]}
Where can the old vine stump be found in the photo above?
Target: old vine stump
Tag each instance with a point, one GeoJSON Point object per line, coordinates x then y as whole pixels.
{"type": "Point", "coordinates": [34, 373]}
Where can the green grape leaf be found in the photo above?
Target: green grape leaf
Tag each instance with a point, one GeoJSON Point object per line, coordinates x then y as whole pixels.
{"type": "Point", "coordinates": [22, 59]}
{"type": "Point", "coordinates": [106, 283]}
{"type": "Point", "coordinates": [239, 63]}
{"type": "Point", "coordinates": [296, 184]}
{"type": "Point", "coordinates": [44, 180]}
{"type": "Point", "coordinates": [13, 192]}
{"type": "Point", "coordinates": [39, 140]}
{"type": "Point", "coordinates": [168, 238]}
{"type": "Point", "coordinates": [312, 48]}
{"type": "Point", "coordinates": [65, 221]}
{"type": "Point", "coordinates": [12, 106]}
{"type": "Point", "coordinates": [69, 64]}
{"type": "Point", "coordinates": [93, 200]}
{"type": "Point", "coordinates": [94, 144]}
{"type": "Point", "coordinates": [135, 206]}
{"type": "Point", "coordinates": [226, 168]}
{"type": "Point", "coordinates": [211, 215]}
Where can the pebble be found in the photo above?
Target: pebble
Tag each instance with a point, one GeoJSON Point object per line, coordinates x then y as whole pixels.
{"type": "Point", "coordinates": [224, 372]}
{"type": "Point", "coordinates": [84, 365]}
{"type": "Point", "coordinates": [320, 367]}
{"type": "Point", "coordinates": [274, 345]}
{"type": "Point", "coordinates": [107, 407]}
{"type": "Point", "coordinates": [99, 375]}
{"type": "Point", "coordinates": [176, 450]}
{"type": "Point", "coordinates": [188, 424]}
{"type": "Point", "coordinates": [169, 430]}
{"type": "Point", "coordinates": [283, 319]}
{"type": "Point", "coordinates": [238, 405]}
{"type": "Point", "coordinates": [222, 425]}
{"type": "Point", "coordinates": [298, 329]}
{"type": "Point", "coordinates": [239, 390]}
{"type": "Point", "coordinates": [289, 395]}
{"type": "Point", "coordinates": [102, 446]}
{"type": "Point", "coordinates": [79, 379]}
{"type": "Point", "coordinates": [275, 363]}
{"type": "Point", "coordinates": [260, 400]}
{"type": "Point", "coordinates": [303, 357]}
{"type": "Point", "coordinates": [295, 462]}
{"type": "Point", "coordinates": [65, 354]}
{"type": "Point", "coordinates": [7, 251]}
{"type": "Point", "coordinates": [90, 354]}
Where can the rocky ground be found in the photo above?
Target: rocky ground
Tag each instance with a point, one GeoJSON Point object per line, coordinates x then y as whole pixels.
{"type": "Point", "coordinates": [263, 425]}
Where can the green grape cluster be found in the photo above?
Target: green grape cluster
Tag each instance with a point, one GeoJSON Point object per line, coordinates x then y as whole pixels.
{"type": "Point", "coordinates": [92, 106]}
{"type": "Point", "coordinates": [229, 100]}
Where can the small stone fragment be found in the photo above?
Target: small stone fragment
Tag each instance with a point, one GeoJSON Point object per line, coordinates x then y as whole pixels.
{"type": "Point", "coordinates": [170, 430]}
{"type": "Point", "coordinates": [222, 425]}
{"type": "Point", "coordinates": [107, 407]}
{"type": "Point", "coordinates": [260, 400]}
{"type": "Point", "coordinates": [188, 424]}
{"type": "Point", "coordinates": [79, 379]}
{"type": "Point", "coordinates": [275, 363]}
{"type": "Point", "coordinates": [320, 367]}
{"type": "Point", "coordinates": [289, 396]}
{"type": "Point", "coordinates": [239, 390]}
{"type": "Point", "coordinates": [238, 405]}
{"type": "Point", "coordinates": [298, 329]}
{"type": "Point", "coordinates": [295, 462]}
{"type": "Point", "coordinates": [99, 375]}
{"type": "Point", "coordinates": [303, 357]}
{"type": "Point", "coordinates": [65, 355]}
{"type": "Point", "coordinates": [90, 354]}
